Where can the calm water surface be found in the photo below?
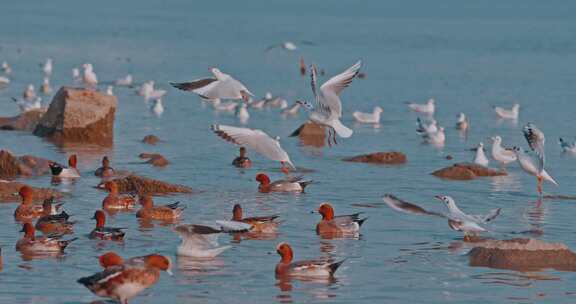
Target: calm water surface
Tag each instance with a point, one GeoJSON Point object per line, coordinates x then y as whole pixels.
{"type": "Point", "coordinates": [468, 56]}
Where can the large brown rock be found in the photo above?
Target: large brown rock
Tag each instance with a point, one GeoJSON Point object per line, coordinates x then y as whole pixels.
{"type": "Point", "coordinates": [79, 115]}
{"type": "Point", "coordinates": [143, 185]}
{"type": "Point", "coordinates": [523, 255]}
{"type": "Point", "coordinates": [26, 121]}
{"type": "Point", "coordinates": [388, 158]}
{"type": "Point", "coordinates": [466, 171]}
{"type": "Point", "coordinates": [9, 192]}
{"type": "Point", "coordinates": [310, 134]}
{"type": "Point", "coordinates": [26, 165]}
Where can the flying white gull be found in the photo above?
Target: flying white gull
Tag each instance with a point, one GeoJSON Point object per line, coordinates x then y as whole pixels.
{"type": "Point", "coordinates": [256, 140]}
{"type": "Point", "coordinates": [222, 86]}
{"type": "Point", "coordinates": [288, 45]}
{"type": "Point", "coordinates": [457, 219]}
{"type": "Point", "coordinates": [328, 107]}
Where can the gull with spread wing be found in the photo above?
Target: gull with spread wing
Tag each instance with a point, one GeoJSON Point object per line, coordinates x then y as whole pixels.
{"type": "Point", "coordinates": [457, 219]}
{"type": "Point", "coordinates": [221, 86]}
{"type": "Point", "coordinates": [255, 140]}
{"type": "Point", "coordinates": [328, 109]}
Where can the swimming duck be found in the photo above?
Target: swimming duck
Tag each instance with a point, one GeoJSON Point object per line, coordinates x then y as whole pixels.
{"type": "Point", "coordinates": [116, 201]}
{"type": "Point", "coordinates": [29, 243]}
{"type": "Point", "coordinates": [242, 161]}
{"type": "Point", "coordinates": [344, 225]}
{"type": "Point", "coordinates": [291, 184]}
{"type": "Point", "coordinates": [260, 224]}
{"type": "Point", "coordinates": [303, 269]}
{"type": "Point", "coordinates": [105, 233]}
{"type": "Point", "coordinates": [27, 211]}
{"type": "Point", "coordinates": [105, 170]}
{"type": "Point", "coordinates": [124, 282]}
{"type": "Point", "coordinates": [66, 172]}
{"type": "Point", "coordinates": [165, 213]}
{"type": "Point", "coordinates": [50, 223]}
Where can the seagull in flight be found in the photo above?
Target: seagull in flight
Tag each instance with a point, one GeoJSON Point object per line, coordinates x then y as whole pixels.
{"type": "Point", "coordinates": [327, 110]}
{"type": "Point", "coordinates": [457, 219]}
{"type": "Point", "coordinates": [221, 86]}
{"type": "Point", "coordinates": [256, 140]}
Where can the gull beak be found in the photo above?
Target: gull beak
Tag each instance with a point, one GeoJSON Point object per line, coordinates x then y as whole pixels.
{"type": "Point", "coordinates": [438, 197]}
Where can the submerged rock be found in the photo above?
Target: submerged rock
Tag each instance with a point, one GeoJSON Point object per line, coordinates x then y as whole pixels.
{"type": "Point", "coordinates": [389, 158]}
{"type": "Point", "coordinates": [79, 115]}
{"type": "Point", "coordinates": [143, 185]}
{"type": "Point", "coordinates": [150, 139]}
{"type": "Point", "coordinates": [466, 171]}
{"type": "Point", "coordinates": [310, 134]}
{"type": "Point", "coordinates": [26, 121]}
{"type": "Point", "coordinates": [523, 255]}
{"type": "Point", "coordinates": [26, 165]}
{"type": "Point", "coordinates": [154, 159]}
{"type": "Point", "coordinates": [9, 192]}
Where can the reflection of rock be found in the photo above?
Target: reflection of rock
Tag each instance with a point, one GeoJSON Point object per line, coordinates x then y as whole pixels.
{"type": "Point", "coordinates": [79, 115]}
{"type": "Point", "coordinates": [27, 165]}
{"type": "Point", "coordinates": [26, 121]}
{"type": "Point", "coordinates": [154, 159]}
{"type": "Point", "coordinates": [310, 134]}
{"type": "Point", "coordinates": [138, 184]}
{"type": "Point", "coordinates": [466, 171]}
{"type": "Point", "coordinates": [150, 139]}
{"type": "Point", "coordinates": [390, 158]}
{"type": "Point", "coordinates": [523, 255]}
{"type": "Point", "coordinates": [9, 192]}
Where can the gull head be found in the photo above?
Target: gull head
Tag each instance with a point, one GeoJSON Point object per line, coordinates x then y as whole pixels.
{"type": "Point", "coordinates": [516, 107]}
{"type": "Point", "coordinates": [461, 117]}
{"type": "Point", "coordinates": [446, 200]}
{"type": "Point", "coordinates": [30, 87]}
{"type": "Point", "coordinates": [496, 139]}
{"type": "Point", "coordinates": [307, 105]}
{"type": "Point", "coordinates": [378, 109]}
{"type": "Point", "coordinates": [481, 145]}
{"type": "Point", "coordinates": [431, 101]}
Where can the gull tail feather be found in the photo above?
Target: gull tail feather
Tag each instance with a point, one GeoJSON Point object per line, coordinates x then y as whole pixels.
{"type": "Point", "coordinates": [341, 129]}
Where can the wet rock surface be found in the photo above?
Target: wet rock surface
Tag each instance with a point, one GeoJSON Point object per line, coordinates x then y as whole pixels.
{"type": "Point", "coordinates": [80, 116]}
{"type": "Point", "coordinates": [522, 255]}
{"type": "Point", "coordinates": [143, 185]}
{"type": "Point", "coordinates": [9, 192]}
{"type": "Point", "coordinates": [466, 171]}
{"type": "Point", "coordinates": [14, 166]}
{"type": "Point", "coordinates": [26, 121]}
{"type": "Point", "coordinates": [387, 158]}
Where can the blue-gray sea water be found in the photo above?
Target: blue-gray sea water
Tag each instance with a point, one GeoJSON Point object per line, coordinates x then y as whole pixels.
{"type": "Point", "coordinates": [467, 55]}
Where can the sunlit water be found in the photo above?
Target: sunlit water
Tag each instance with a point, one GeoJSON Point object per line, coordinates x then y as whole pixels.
{"type": "Point", "coordinates": [468, 56]}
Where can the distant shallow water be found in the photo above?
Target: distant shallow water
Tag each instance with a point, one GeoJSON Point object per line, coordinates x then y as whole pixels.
{"type": "Point", "coordinates": [467, 56]}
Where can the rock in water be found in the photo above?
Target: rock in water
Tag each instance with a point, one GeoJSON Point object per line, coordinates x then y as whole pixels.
{"type": "Point", "coordinates": [79, 116]}
{"type": "Point", "coordinates": [466, 171]}
{"type": "Point", "coordinates": [523, 255]}
{"type": "Point", "coordinates": [387, 158]}
{"type": "Point", "coordinates": [26, 121]}
{"type": "Point", "coordinates": [13, 166]}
